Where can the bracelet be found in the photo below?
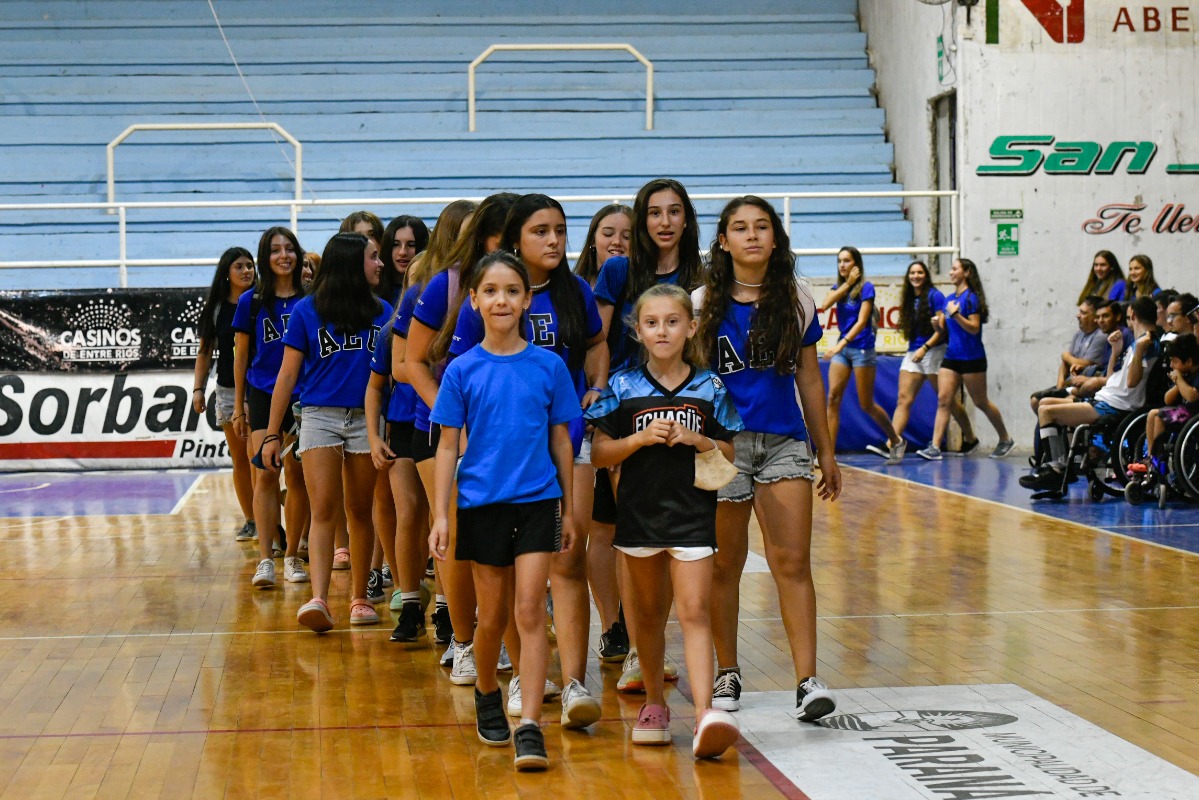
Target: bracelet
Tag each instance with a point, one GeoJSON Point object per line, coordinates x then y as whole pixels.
{"type": "Point", "coordinates": [596, 389]}
{"type": "Point", "coordinates": [272, 438]}
{"type": "Point", "coordinates": [196, 390]}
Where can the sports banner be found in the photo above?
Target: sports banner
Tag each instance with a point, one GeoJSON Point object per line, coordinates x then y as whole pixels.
{"type": "Point", "coordinates": [102, 379]}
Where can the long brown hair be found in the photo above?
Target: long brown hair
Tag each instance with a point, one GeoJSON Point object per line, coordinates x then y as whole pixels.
{"type": "Point", "coordinates": [916, 320]}
{"type": "Point", "coordinates": [856, 255]}
{"type": "Point", "coordinates": [588, 265]}
{"type": "Point", "coordinates": [975, 283]}
{"type": "Point", "coordinates": [435, 257]}
{"type": "Point", "coordinates": [777, 329]}
{"type": "Point", "coordinates": [1101, 287]}
{"type": "Point", "coordinates": [643, 252]}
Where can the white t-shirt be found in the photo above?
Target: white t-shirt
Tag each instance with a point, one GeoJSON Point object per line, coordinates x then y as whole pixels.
{"type": "Point", "coordinates": [1116, 393]}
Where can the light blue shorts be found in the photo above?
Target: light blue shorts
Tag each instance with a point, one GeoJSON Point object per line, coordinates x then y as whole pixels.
{"type": "Point", "coordinates": [330, 426]}
{"type": "Point", "coordinates": [854, 357]}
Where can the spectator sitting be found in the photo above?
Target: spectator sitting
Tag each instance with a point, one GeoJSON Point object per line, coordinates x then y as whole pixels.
{"type": "Point", "coordinates": [1109, 316]}
{"type": "Point", "coordinates": [1082, 356]}
{"type": "Point", "coordinates": [1182, 398]}
{"type": "Point", "coordinates": [1178, 320]}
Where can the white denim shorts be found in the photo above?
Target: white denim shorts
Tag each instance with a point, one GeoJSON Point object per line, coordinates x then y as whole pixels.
{"type": "Point", "coordinates": [330, 426]}
{"type": "Point", "coordinates": [224, 406]}
{"type": "Point", "coordinates": [927, 365]}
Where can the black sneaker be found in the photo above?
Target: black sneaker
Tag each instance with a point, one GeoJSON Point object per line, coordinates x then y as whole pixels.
{"type": "Point", "coordinates": [411, 625]}
{"type": "Point", "coordinates": [492, 722]}
{"type": "Point", "coordinates": [430, 573]}
{"type": "Point", "coordinates": [614, 643]}
{"type": "Point", "coordinates": [374, 587]}
{"type": "Point", "coordinates": [443, 630]}
{"type": "Point", "coordinates": [388, 582]}
{"type": "Point", "coordinates": [530, 748]}
{"type": "Point", "coordinates": [967, 448]}
{"type": "Point", "coordinates": [726, 692]}
{"type": "Point", "coordinates": [813, 700]}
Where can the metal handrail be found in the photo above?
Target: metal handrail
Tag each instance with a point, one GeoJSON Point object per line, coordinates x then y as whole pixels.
{"type": "Point", "coordinates": [628, 48]}
{"type": "Point", "coordinates": [203, 126]}
{"type": "Point", "coordinates": [954, 248]}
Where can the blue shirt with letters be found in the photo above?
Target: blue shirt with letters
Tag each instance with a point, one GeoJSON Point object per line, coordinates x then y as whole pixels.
{"type": "Point", "coordinates": [266, 336]}
{"type": "Point", "coordinates": [964, 346]}
{"type": "Point", "coordinates": [848, 310]}
{"type": "Point", "coordinates": [336, 365]}
{"type": "Point", "coordinates": [507, 404]}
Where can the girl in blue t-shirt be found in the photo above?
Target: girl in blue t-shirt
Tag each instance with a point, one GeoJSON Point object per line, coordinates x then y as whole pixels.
{"type": "Point", "coordinates": [513, 488]}
{"type": "Point", "coordinates": [655, 420]}
{"type": "Point", "coordinates": [1141, 282]}
{"type": "Point", "coordinates": [234, 277]}
{"type": "Point", "coordinates": [1106, 278]}
{"type": "Point", "coordinates": [330, 339]}
{"type": "Point", "coordinates": [429, 335]}
{"type": "Point", "coordinates": [854, 354]}
{"type": "Point", "coordinates": [663, 248]}
{"type": "Point", "coordinates": [562, 318]}
{"type": "Point", "coordinates": [259, 323]}
{"type": "Point", "coordinates": [758, 328]}
{"type": "Point", "coordinates": [965, 359]}
{"type": "Point", "coordinates": [920, 302]}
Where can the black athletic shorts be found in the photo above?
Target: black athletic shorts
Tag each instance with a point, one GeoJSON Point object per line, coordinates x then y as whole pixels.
{"type": "Point", "coordinates": [399, 438]}
{"type": "Point", "coordinates": [260, 411]}
{"type": "Point", "coordinates": [497, 533]}
{"type": "Point", "coordinates": [1052, 391]}
{"type": "Point", "coordinates": [603, 508]}
{"type": "Point", "coordinates": [424, 443]}
{"type": "Point", "coordinates": [965, 366]}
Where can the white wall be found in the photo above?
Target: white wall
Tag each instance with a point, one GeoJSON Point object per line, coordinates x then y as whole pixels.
{"type": "Point", "coordinates": [1113, 85]}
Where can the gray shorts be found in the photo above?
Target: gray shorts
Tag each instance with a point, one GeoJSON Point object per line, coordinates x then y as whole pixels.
{"type": "Point", "coordinates": [765, 458]}
{"type": "Point", "coordinates": [224, 406]}
{"type": "Point", "coordinates": [330, 426]}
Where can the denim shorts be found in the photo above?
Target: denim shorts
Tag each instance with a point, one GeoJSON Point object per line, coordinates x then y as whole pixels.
{"type": "Point", "coordinates": [765, 458]}
{"type": "Point", "coordinates": [224, 406]}
{"type": "Point", "coordinates": [927, 365]}
{"type": "Point", "coordinates": [330, 426]}
{"type": "Point", "coordinates": [855, 357]}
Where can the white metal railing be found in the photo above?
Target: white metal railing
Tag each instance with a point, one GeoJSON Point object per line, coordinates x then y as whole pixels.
{"type": "Point", "coordinates": [628, 48]}
{"type": "Point", "coordinates": [201, 126]}
{"type": "Point", "coordinates": [123, 262]}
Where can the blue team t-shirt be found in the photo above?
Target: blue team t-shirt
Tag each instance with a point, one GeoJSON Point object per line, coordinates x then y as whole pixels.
{"type": "Point", "coordinates": [964, 346]}
{"type": "Point", "coordinates": [765, 398]}
{"type": "Point", "coordinates": [847, 316]}
{"type": "Point", "coordinates": [432, 306]}
{"type": "Point", "coordinates": [542, 330]}
{"type": "Point", "coordinates": [610, 287]}
{"type": "Point", "coordinates": [266, 332]}
{"type": "Point", "coordinates": [336, 365]}
{"type": "Point", "coordinates": [507, 405]}
{"type": "Point", "coordinates": [402, 402]}
{"type": "Point", "coordinates": [1117, 290]}
{"type": "Point", "coordinates": [936, 304]}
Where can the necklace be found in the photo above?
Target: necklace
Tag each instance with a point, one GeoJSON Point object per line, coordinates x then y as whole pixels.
{"type": "Point", "coordinates": [537, 287]}
{"type": "Point", "coordinates": [747, 285]}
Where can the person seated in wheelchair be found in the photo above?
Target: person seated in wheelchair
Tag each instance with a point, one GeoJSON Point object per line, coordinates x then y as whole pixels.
{"type": "Point", "coordinates": [1182, 401]}
{"type": "Point", "coordinates": [1082, 354]}
{"type": "Point", "coordinates": [1124, 391]}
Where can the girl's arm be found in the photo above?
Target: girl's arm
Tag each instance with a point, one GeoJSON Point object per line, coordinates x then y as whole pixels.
{"type": "Point", "coordinates": [443, 478]}
{"type": "Point", "coordinates": [381, 455]}
{"type": "Point", "coordinates": [241, 364]}
{"type": "Point", "coordinates": [608, 452]}
{"type": "Point", "coordinates": [681, 434]}
{"type": "Point", "coordinates": [835, 296]}
{"type": "Point", "coordinates": [811, 400]}
{"type": "Point", "coordinates": [416, 354]}
{"type": "Point", "coordinates": [399, 370]}
{"type": "Point", "coordinates": [562, 451]}
{"type": "Point", "coordinates": [203, 367]}
{"type": "Point", "coordinates": [860, 325]}
{"type": "Point", "coordinates": [970, 324]}
{"type": "Point", "coordinates": [606, 312]}
{"type": "Point", "coordinates": [285, 383]}
{"type": "Point", "coordinates": [595, 367]}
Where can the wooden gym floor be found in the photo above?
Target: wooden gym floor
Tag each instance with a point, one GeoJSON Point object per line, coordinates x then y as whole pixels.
{"type": "Point", "coordinates": [137, 661]}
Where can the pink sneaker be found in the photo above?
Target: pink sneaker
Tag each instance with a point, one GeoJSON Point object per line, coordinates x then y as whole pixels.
{"type": "Point", "coordinates": [715, 732]}
{"type": "Point", "coordinates": [653, 725]}
{"type": "Point", "coordinates": [341, 558]}
{"type": "Point", "coordinates": [315, 616]}
{"type": "Point", "coordinates": [362, 612]}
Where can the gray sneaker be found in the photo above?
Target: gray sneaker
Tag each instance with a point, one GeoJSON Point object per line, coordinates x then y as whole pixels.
{"type": "Point", "coordinates": [248, 532]}
{"type": "Point", "coordinates": [895, 455]}
{"type": "Point", "coordinates": [1003, 448]}
{"type": "Point", "coordinates": [463, 673]}
{"type": "Point", "coordinates": [930, 453]}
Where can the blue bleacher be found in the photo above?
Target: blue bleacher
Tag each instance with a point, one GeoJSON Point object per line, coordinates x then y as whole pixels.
{"type": "Point", "coordinates": [764, 99]}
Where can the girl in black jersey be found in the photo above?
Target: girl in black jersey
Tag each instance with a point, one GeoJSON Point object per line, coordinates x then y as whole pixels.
{"type": "Point", "coordinates": [234, 276]}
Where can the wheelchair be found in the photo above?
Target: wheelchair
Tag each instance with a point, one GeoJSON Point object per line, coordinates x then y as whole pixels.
{"type": "Point", "coordinates": [1102, 452]}
{"type": "Point", "coordinates": [1173, 476]}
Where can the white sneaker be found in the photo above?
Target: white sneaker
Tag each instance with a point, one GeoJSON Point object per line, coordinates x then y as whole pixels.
{"type": "Point", "coordinates": [464, 672]}
{"type": "Point", "coordinates": [264, 576]}
{"type": "Point", "coordinates": [504, 664]}
{"type": "Point", "coordinates": [514, 699]}
{"type": "Point", "coordinates": [579, 707]}
{"type": "Point", "coordinates": [293, 570]}
{"type": "Point", "coordinates": [447, 658]}
{"type": "Point", "coordinates": [551, 690]}
{"type": "Point", "coordinates": [813, 700]}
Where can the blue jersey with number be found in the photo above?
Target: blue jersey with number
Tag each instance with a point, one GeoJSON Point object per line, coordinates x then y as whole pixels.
{"type": "Point", "coordinates": [541, 330]}
{"type": "Point", "coordinates": [657, 503]}
{"type": "Point", "coordinates": [848, 311]}
{"type": "Point", "coordinates": [336, 364]}
{"type": "Point", "coordinates": [266, 331]}
{"type": "Point", "coordinates": [507, 405]}
{"type": "Point", "coordinates": [764, 397]}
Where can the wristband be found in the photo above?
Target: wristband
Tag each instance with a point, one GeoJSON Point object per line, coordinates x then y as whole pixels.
{"type": "Point", "coordinates": [272, 438]}
{"type": "Point", "coordinates": [596, 389]}
{"type": "Point", "coordinates": [196, 390]}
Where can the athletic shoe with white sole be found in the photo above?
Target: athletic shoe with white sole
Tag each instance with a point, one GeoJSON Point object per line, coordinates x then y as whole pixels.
{"type": "Point", "coordinates": [715, 732]}
{"type": "Point", "coordinates": [504, 663]}
{"type": "Point", "coordinates": [464, 673]}
{"type": "Point", "coordinates": [514, 697]}
{"type": "Point", "coordinates": [813, 700]}
{"type": "Point", "coordinates": [490, 722]}
{"type": "Point", "coordinates": [293, 570]}
{"type": "Point", "coordinates": [248, 532]}
{"type": "Point", "coordinates": [726, 692]}
{"type": "Point", "coordinates": [264, 576]}
{"type": "Point", "coordinates": [530, 748]}
{"type": "Point", "coordinates": [579, 707]}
